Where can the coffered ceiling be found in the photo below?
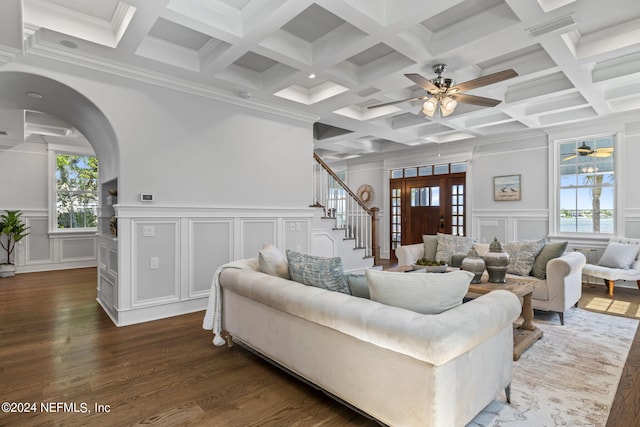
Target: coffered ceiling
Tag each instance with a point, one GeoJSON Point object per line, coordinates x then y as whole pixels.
{"type": "Point", "coordinates": [577, 60]}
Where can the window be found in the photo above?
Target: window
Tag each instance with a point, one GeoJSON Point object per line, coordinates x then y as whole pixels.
{"type": "Point", "coordinates": [396, 218]}
{"type": "Point", "coordinates": [457, 209]}
{"type": "Point", "coordinates": [425, 196]}
{"type": "Point", "coordinates": [76, 192]}
{"type": "Point", "coordinates": [587, 186]}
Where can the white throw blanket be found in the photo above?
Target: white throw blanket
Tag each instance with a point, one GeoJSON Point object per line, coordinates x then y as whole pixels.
{"type": "Point", "coordinates": [213, 315]}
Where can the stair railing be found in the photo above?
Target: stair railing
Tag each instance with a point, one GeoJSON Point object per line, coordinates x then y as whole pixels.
{"type": "Point", "coordinates": [359, 222]}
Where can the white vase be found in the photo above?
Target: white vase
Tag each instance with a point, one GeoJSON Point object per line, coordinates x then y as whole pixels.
{"type": "Point", "coordinates": [7, 270]}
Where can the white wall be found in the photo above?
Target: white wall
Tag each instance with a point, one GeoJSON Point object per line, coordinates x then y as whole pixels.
{"type": "Point", "coordinates": [527, 218]}
{"type": "Point", "coordinates": [188, 150]}
{"type": "Point", "coordinates": [23, 177]}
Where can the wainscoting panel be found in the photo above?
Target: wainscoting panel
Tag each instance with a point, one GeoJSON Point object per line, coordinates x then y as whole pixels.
{"type": "Point", "coordinates": [42, 250]}
{"type": "Point", "coordinates": [255, 232]}
{"type": "Point", "coordinates": [296, 235]}
{"type": "Point", "coordinates": [210, 246]}
{"type": "Point", "coordinates": [530, 228]}
{"type": "Point", "coordinates": [323, 244]}
{"type": "Point", "coordinates": [156, 271]}
{"type": "Point", "coordinates": [167, 256]}
{"type": "Point", "coordinates": [510, 225]}
{"type": "Point", "coordinates": [39, 248]}
{"type": "Point", "coordinates": [77, 249]}
{"type": "Point", "coordinates": [490, 228]}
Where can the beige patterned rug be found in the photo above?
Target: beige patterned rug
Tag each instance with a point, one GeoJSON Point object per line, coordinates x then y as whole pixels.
{"type": "Point", "coordinates": [569, 377]}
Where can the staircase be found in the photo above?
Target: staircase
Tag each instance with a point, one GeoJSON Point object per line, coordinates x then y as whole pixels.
{"type": "Point", "coordinates": [343, 225]}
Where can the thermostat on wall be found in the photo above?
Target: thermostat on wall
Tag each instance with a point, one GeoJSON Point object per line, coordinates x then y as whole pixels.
{"type": "Point", "coordinates": [145, 197]}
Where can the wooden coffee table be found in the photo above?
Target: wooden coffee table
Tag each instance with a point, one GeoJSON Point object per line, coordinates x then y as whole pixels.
{"type": "Point", "coordinates": [527, 333]}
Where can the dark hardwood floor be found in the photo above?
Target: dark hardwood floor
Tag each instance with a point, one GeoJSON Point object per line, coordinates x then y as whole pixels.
{"type": "Point", "coordinates": [59, 351]}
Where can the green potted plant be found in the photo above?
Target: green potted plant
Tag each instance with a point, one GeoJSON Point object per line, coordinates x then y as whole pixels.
{"type": "Point", "coordinates": [11, 226]}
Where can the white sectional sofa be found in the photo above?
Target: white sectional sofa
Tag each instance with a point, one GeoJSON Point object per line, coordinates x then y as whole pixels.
{"type": "Point", "coordinates": [561, 289]}
{"type": "Point", "coordinates": [397, 366]}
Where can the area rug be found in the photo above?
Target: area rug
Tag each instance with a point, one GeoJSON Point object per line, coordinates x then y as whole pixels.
{"type": "Point", "coordinates": [569, 377]}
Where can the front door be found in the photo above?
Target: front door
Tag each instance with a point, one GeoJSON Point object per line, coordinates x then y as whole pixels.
{"type": "Point", "coordinates": [426, 205]}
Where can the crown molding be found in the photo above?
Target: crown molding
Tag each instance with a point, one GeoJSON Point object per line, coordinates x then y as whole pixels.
{"type": "Point", "coordinates": [8, 54]}
{"type": "Point", "coordinates": [47, 50]}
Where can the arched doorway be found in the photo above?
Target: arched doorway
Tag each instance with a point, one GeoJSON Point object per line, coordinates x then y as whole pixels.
{"type": "Point", "coordinates": [20, 92]}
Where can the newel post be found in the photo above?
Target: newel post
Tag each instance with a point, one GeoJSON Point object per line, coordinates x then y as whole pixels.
{"type": "Point", "coordinates": [375, 238]}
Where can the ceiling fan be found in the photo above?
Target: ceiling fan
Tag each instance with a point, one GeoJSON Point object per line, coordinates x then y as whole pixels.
{"type": "Point", "coordinates": [585, 150]}
{"type": "Point", "coordinates": [442, 92]}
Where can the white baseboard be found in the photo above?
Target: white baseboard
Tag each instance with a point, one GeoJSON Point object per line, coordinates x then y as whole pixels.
{"type": "Point", "coordinates": [49, 266]}
{"type": "Point", "coordinates": [156, 312]}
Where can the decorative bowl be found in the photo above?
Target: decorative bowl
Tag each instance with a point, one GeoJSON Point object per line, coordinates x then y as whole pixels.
{"type": "Point", "coordinates": [431, 268]}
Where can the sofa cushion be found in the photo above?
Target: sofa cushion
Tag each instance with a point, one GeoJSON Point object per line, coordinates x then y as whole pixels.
{"type": "Point", "coordinates": [550, 250]}
{"type": "Point", "coordinates": [317, 271]}
{"type": "Point", "coordinates": [619, 255]}
{"type": "Point", "coordinates": [357, 283]}
{"type": "Point", "coordinates": [426, 293]}
{"type": "Point", "coordinates": [430, 246]}
{"type": "Point", "coordinates": [522, 255]}
{"type": "Point", "coordinates": [481, 248]}
{"type": "Point", "coordinates": [449, 244]}
{"type": "Point", "coordinates": [272, 261]}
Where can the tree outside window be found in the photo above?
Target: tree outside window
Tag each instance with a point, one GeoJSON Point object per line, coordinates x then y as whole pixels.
{"type": "Point", "coordinates": [587, 186]}
{"type": "Point", "coordinates": [76, 191]}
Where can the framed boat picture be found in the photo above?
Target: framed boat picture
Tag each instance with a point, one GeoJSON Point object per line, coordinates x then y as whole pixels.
{"type": "Point", "coordinates": [506, 188]}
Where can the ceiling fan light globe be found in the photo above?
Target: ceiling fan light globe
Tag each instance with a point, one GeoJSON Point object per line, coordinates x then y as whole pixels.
{"type": "Point", "coordinates": [430, 106]}
{"type": "Point", "coordinates": [447, 105]}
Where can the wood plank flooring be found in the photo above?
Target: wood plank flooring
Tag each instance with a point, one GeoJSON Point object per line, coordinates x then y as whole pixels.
{"type": "Point", "coordinates": [58, 347]}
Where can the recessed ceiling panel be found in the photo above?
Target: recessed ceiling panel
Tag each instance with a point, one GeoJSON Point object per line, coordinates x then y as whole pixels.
{"type": "Point", "coordinates": [313, 23]}
{"type": "Point", "coordinates": [254, 62]}
{"type": "Point", "coordinates": [458, 13]}
{"type": "Point", "coordinates": [178, 34]}
{"type": "Point", "coordinates": [313, 95]}
{"type": "Point", "coordinates": [325, 131]}
{"type": "Point", "coordinates": [103, 9]}
{"type": "Point", "coordinates": [369, 55]}
{"type": "Point", "coordinates": [236, 4]}
{"type": "Point", "coordinates": [99, 23]}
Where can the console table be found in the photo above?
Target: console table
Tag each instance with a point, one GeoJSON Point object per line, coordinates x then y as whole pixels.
{"type": "Point", "coordinates": [527, 333]}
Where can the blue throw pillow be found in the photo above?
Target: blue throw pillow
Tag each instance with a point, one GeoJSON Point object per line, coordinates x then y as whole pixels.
{"type": "Point", "coordinates": [321, 272]}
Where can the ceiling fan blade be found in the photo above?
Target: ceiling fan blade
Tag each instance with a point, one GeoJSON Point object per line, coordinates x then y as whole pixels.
{"type": "Point", "coordinates": [423, 83]}
{"type": "Point", "coordinates": [572, 156]}
{"type": "Point", "coordinates": [605, 149]}
{"type": "Point", "coordinates": [475, 100]}
{"type": "Point", "coordinates": [397, 102]}
{"type": "Point", "coordinates": [599, 153]}
{"type": "Point", "coordinates": [484, 81]}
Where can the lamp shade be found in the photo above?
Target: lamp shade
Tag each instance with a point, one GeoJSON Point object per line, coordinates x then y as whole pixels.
{"type": "Point", "coordinates": [429, 107]}
{"type": "Point", "coordinates": [447, 105]}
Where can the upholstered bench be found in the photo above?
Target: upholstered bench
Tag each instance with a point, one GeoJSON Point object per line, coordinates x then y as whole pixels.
{"type": "Point", "coordinates": [620, 261]}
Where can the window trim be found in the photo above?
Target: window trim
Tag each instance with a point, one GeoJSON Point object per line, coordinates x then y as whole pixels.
{"type": "Point", "coordinates": [53, 151]}
{"type": "Point", "coordinates": [554, 187]}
